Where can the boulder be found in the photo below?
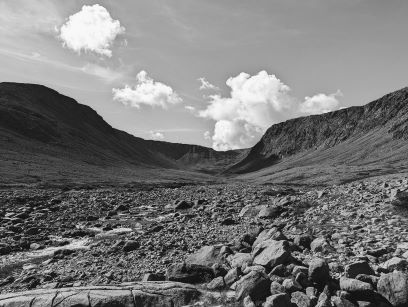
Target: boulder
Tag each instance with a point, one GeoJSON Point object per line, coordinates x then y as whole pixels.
{"type": "Point", "coordinates": [399, 198]}
{"type": "Point", "coordinates": [131, 245]}
{"type": "Point", "coordinates": [270, 212]}
{"type": "Point", "coordinates": [358, 267]}
{"type": "Point", "coordinates": [319, 271]}
{"type": "Point", "coordinates": [189, 273]}
{"type": "Point", "coordinates": [216, 284]}
{"type": "Point", "coordinates": [255, 284]}
{"type": "Point", "coordinates": [300, 299]}
{"type": "Point", "coordinates": [271, 253]}
{"type": "Point", "coordinates": [395, 263]}
{"type": "Point", "coordinates": [142, 294]}
{"type": "Point", "coordinates": [278, 300]}
{"type": "Point", "coordinates": [250, 211]}
{"type": "Point", "coordinates": [303, 240]}
{"type": "Point", "coordinates": [206, 256]}
{"type": "Point", "coordinates": [269, 234]}
{"type": "Point", "coordinates": [394, 287]}
{"type": "Point", "coordinates": [358, 289]}
{"type": "Point", "coordinates": [320, 245]}
{"type": "Point", "coordinates": [239, 259]}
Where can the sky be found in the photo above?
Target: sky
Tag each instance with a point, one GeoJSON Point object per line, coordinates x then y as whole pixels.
{"type": "Point", "coordinates": [216, 73]}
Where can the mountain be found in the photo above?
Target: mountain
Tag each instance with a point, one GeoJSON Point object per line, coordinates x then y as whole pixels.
{"type": "Point", "coordinates": [47, 136]}
{"type": "Point", "coordinates": [338, 146]}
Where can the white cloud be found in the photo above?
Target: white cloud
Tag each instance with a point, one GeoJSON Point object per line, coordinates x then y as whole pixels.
{"type": "Point", "coordinates": [146, 92]}
{"type": "Point", "coordinates": [205, 85]}
{"type": "Point", "coordinates": [207, 135]}
{"type": "Point", "coordinates": [157, 136]}
{"type": "Point", "coordinates": [320, 103]}
{"type": "Point", "coordinates": [91, 30]}
{"type": "Point", "coordinates": [190, 108]}
{"type": "Point", "coordinates": [255, 103]}
{"type": "Point", "coordinates": [104, 73]}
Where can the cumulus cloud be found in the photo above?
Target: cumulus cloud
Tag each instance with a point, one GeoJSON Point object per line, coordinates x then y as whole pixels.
{"type": "Point", "coordinates": [207, 135]}
{"type": "Point", "coordinates": [91, 30]}
{"type": "Point", "coordinates": [255, 103]}
{"type": "Point", "coordinates": [205, 85]}
{"type": "Point", "coordinates": [157, 136]}
{"type": "Point", "coordinates": [146, 92]}
{"type": "Point", "coordinates": [320, 103]}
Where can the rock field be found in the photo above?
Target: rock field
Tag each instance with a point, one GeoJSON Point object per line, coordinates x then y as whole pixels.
{"type": "Point", "coordinates": [217, 245]}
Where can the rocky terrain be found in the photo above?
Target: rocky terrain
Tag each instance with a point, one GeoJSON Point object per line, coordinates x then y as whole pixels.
{"type": "Point", "coordinates": [214, 245]}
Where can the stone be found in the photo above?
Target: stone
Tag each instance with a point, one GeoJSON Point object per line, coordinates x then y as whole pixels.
{"type": "Point", "coordinates": [206, 256]}
{"type": "Point", "coordinates": [5, 249]}
{"type": "Point", "coordinates": [237, 260]}
{"type": "Point", "coordinates": [153, 277]}
{"type": "Point", "coordinates": [291, 285]}
{"type": "Point", "coordinates": [358, 289]}
{"type": "Point", "coordinates": [395, 263]}
{"type": "Point", "coordinates": [278, 300]}
{"type": "Point", "coordinates": [131, 245]}
{"type": "Point", "coordinates": [300, 299]}
{"type": "Point", "coordinates": [216, 284]}
{"type": "Point", "coordinates": [320, 245]}
{"type": "Point", "coordinates": [399, 198]}
{"type": "Point", "coordinates": [270, 212]}
{"type": "Point", "coordinates": [271, 253]}
{"type": "Point", "coordinates": [358, 267]}
{"type": "Point", "coordinates": [269, 234]}
{"type": "Point", "coordinates": [303, 240]}
{"type": "Point", "coordinates": [319, 272]}
{"type": "Point", "coordinates": [255, 284]}
{"type": "Point", "coordinates": [394, 287]}
{"type": "Point", "coordinates": [232, 276]}
{"type": "Point", "coordinates": [183, 205]}
{"type": "Point", "coordinates": [189, 273]}
{"type": "Point", "coordinates": [341, 302]}
{"type": "Point", "coordinates": [248, 302]}
{"type": "Point", "coordinates": [277, 288]}
{"type": "Point", "coordinates": [250, 211]}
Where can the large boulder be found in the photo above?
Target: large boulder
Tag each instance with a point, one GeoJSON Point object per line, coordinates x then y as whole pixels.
{"type": "Point", "coordinates": [269, 234]}
{"type": "Point", "coordinates": [394, 287]}
{"type": "Point", "coordinates": [140, 294]}
{"type": "Point", "coordinates": [255, 284]}
{"type": "Point", "coordinates": [271, 253]}
{"type": "Point", "coordinates": [319, 271]}
{"type": "Point", "coordinates": [358, 267]}
{"type": "Point", "coordinates": [189, 273]}
{"type": "Point", "coordinates": [207, 256]}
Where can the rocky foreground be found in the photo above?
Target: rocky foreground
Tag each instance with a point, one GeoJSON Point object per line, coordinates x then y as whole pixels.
{"type": "Point", "coordinates": [219, 245]}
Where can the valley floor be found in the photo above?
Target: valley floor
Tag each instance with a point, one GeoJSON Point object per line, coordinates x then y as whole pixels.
{"type": "Point", "coordinates": [64, 238]}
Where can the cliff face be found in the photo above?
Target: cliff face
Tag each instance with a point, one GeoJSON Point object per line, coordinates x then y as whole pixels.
{"type": "Point", "coordinates": [384, 120]}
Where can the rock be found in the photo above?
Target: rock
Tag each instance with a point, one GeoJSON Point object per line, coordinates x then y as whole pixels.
{"type": "Point", "coordinates": [183, 205]}
{"type": "Point", "coordinates": [269, 234]}
{"type": "Point", "coordinates": [394, 287]}
{"type": "Point", "coordinates": [341, 302]}
{"type": "Point", "coordinates": [248, 302]}
{"type": "Point", "coordinates": [206, 256]}
{"type": "Point", "coordinates": [232, 276]}
{"type": "Point", "coordinates": [319, 272]}
{"type": "Point", "coordinates": [358, 289]}
{"type": "Point", "coordinates": [291, 285]}
{"type": "Point", "coordinates": [303, 240]}
{"type": "Point", "coordinates": [255, 284]}
{"type": "Point", "coordinates": [271, 253]}
{"type": "Point", "coordinates": [159, 294]}
{"type": "Point", "coordinates": [153, 277]}
{"type": "Point", "coordinates": [395, 263]}
{"type": "Point", "coordinates": [237, 260]}
{"type": "Point", "coordinates": [371, 279]}
{"type": "Point", "coordinates": [5, 249]}
{"type": "Point", "coordinates": [270, 212]}
{"type": "Point", "coordinates": [300, 299]}
{"type": "Point", "coordinates": [277, 288]}
{"type": "Point", "coordinates": [358, 267]}
{"type": "Point", "coordinates": [131, 245]}
{"type": "Point", "coordinates": [278, 300]}
{"type": "Point", "coordinates": [250, 211]}
{"type": "Point", "coordinates": [320, 245]}
{"type": "Point", "coordinates": [228, 221]}
{"type": "Point", "coordinates": [399, 198]}
{"type": "Point", "coordinates": [216, 284]}
{"type": "Point", "coordinates": [189, 273]}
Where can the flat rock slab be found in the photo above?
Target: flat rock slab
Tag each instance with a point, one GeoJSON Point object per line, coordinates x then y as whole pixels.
{"type": "Point", "coordinates": [132, 295]}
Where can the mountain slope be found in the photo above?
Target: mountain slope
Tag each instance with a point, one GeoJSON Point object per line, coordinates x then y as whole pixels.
{"type": "Point", "coordinates": [42, 131]}
{"type": "Point", "coordinates": [359, 139]}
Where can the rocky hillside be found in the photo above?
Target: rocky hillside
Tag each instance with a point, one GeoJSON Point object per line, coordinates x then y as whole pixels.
{"type": "Point", "coordinates": [42, 131]}
{"type": "Point", "coordinates": [354, 136]}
